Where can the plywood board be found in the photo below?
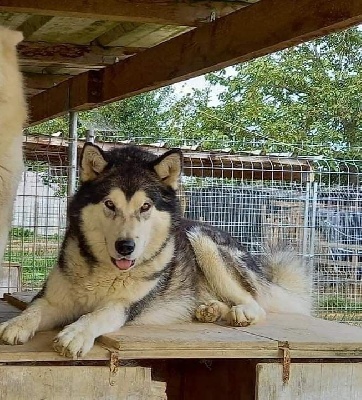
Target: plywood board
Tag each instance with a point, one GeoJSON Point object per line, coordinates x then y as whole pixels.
{"type": "Point", "coordinates": [311, 337]}
{"type": "Point", "coordinates": [77, 383]}
{"type": "Point", "coordinates": [319, 381]}
{"type": "Point", "coordinates": [40, 349]}
{"type": "Point", "coordinates": [193, 340]}
{"type": "Point", "coordinates": [307, 337]}
{"type": "Point", "coordinates": [7, 311]}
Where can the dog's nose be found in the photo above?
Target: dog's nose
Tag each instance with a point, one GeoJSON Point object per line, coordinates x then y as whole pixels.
{"type": "Point", "coordinates": [125, 247]}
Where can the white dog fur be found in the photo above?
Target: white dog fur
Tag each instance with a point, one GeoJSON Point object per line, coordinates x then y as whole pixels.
{"type": "Point", "coordinates": [13, 114]}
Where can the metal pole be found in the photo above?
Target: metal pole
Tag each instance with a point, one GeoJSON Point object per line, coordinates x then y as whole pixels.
{"type": "Point", "coordinates": [72, 153]}
{"type": "Point", "coordinates": [313, 221]}
{"type": "Point", "coordinates": [305, 243]}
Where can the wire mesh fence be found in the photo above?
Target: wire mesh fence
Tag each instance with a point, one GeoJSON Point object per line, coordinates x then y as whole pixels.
{"type": "Point", "coordinates": [312, 203]}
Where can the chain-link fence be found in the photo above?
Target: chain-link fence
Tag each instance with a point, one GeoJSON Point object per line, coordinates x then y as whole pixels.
{"type": "Point", "coordinates": [312, 203]}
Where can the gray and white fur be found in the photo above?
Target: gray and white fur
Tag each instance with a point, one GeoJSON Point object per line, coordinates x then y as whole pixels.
{"type": "Point", "coordinates": [128, 257]}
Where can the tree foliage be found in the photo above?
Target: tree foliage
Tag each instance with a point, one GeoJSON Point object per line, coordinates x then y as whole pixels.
{"type": "Point", "coordinates": [309, 95]}
{"type": "Point", "coordinates": [305, 99]}
{"type": "Point", "coordinates": [142, 116]}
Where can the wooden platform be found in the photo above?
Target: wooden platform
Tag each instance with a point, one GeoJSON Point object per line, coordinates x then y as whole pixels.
{"type": "Point", "coordinates": [207, 359]}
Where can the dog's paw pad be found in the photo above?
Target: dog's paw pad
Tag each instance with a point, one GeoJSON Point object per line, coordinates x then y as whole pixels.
{"type": "Point", "coordinates": [16, 331]}
{"type": "Point", "coordinates": [210, 312]}
{"type": "Point", "coordinates": [246, 314]}
{"type": "Point", "coordinates": [73, 342]}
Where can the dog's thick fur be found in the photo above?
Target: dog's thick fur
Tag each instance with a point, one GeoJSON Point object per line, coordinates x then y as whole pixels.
{"type": "Point", "coordinates": [12, 118]}
{"type": "Point", "coordinates": [129, 258]}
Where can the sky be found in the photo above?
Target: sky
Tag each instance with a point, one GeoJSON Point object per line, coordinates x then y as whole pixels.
{"type": "Point", "coordinates": [186, 87]}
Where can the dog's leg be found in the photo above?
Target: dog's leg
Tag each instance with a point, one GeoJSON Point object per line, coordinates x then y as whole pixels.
{"type": "Point", "coordinates": [76, 339]}
{"type": "Point", "coordinates": [246, 310]}
{"type": "Point", "coordinates": [40, 315]}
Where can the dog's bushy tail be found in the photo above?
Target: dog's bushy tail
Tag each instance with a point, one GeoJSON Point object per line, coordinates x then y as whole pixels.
{"type": "Point", "coordinates": [290, 281]}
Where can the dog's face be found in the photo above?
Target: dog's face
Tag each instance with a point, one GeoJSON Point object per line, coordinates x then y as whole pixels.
{"type": "Point", "coordinates": [127, 203]}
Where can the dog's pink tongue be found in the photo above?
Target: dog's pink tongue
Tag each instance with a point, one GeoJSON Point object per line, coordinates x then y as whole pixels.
{"type": "Point", "coordinates": [123, 263]}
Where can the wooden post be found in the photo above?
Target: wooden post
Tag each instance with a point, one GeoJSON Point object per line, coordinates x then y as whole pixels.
{"type": "Point", "coordinates": [72, 153]}
{"type": "Point", "coordinates": [90, 135]}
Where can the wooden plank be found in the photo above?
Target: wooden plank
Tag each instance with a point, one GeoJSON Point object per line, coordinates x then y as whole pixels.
{"type": "Point", "coordinates": [10, 278]}
{"type": "Point", "coordinates": [63, 53]}
{"type": "Point", "coordinates": [265, 27]}
{"type": "Point", "coordinates": [80, 31]}
{"type": "Point", "coordinates": [32, 24]}
{"type": "Point", "coordinates": [306, 337]}
{"type": "Point", "coordinates": [193, 340]}
{"type": "Point", "coordinates": [111, 37]}
{"type": "Point", "coordinates": [319, 381]}
{"type": "Point", "coordinates": [43, 81]}
{"type": "Point", "coordinates": [140, 35]}
{"type": "Point", "coordinates": [7, 311]}
{"type": "Point", "coordinates": [40, 348]}
{"type": "Point", "coordinates": [77, 383]}
{"type": "Point", "coordinates": [20, 300]}
{"type": "Point", "coordinates": [309, 337]}
{"type": "Point", "coordinates": [12, 20]}
{"type": "Point", "coordinates": [173, 12]}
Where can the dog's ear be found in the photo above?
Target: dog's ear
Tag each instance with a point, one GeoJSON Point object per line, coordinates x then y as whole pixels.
{"type": "Point", "coordinates": [92, 162]}
{"type": "Point", "coordinates": [169, 167]}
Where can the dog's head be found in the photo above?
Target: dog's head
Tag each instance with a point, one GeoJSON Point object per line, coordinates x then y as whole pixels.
{"type": "Point", "coordinates": [126, 206]}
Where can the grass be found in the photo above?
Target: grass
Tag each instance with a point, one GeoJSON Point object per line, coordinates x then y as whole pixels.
{"type": "Point", "coordinates": [340, 303]}
{"type": "Point", "coordinates": [36, 255]}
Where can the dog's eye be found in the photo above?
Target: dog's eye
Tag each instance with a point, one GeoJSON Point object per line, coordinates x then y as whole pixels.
{"type": "Point", "coordinates": [109, 204]}
{"type": "Point", "coordinates": [145, 207]}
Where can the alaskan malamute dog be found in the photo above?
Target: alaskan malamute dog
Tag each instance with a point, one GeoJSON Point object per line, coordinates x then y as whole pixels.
{"type": "Point", "coordinates": [12, 118]}
{"type": "Point", "coordinates": [128, 257]}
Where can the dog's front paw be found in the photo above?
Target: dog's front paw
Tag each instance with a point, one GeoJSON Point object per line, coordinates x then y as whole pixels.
{"type": "Point", "coordinates": [211, 312]}
{"type": "Point", "coordinates": [74, 341]}
{"type": "Point", "coordinates": [208, 312]}
{"type": "Point", "coordinates": [246, 314]}
{"type": "Point", "coordinates": [18, 330]}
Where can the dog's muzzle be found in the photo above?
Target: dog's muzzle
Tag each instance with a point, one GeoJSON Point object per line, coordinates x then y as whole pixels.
{"type": "Point", "coordinates": [124, 248]}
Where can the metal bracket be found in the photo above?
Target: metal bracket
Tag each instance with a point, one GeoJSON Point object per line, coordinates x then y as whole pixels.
{"type": "Point", "coordinates": [113, 367]}
{"type": "Point", "coordinates": [284, 346]}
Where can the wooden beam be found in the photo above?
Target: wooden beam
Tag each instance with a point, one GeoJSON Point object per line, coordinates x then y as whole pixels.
{"type": "Point", "coordinates": [65, 53]}
{"type": "Point", "coordinates": [32, 24]}
{"type": "Point", "coordinates": [43, 81]}
{"type": "Point", "coordinates": [265, 27]}
{"type": "Point", "coordinates": [173, 12]}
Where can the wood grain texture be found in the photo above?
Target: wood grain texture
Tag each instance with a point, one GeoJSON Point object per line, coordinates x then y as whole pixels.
{"type": "Point", "coordinates": [319, 381]}
{"type": "Point", "coordinates": [306, 337]}
{"type": "Point", "coordinates": [77, 383]}
{"type": "Point", "coordinates": [40, 349]}
{"type": "Point", "coordinates": [265, 27]}
{"type": "Point", "coordinates": [66, 53]}
{"type": "Point", "coordinates": [164, 12]}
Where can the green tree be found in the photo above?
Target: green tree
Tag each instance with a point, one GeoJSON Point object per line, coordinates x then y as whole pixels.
{"type": "Point", "coordinates": [308, 94]}
{"type": "Point", "coordinates": [143, 116]}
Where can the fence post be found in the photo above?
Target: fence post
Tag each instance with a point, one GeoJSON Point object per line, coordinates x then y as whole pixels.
{"type": "Point", "coordinates": [90, 135]}
{"type": "Point", "coordinates": [72, 153]}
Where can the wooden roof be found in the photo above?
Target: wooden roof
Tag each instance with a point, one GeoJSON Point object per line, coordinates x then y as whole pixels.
{"type": "Point", "coordinates": [216, 164]}
{"type": "Point", "coordinates": [79, 54]}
